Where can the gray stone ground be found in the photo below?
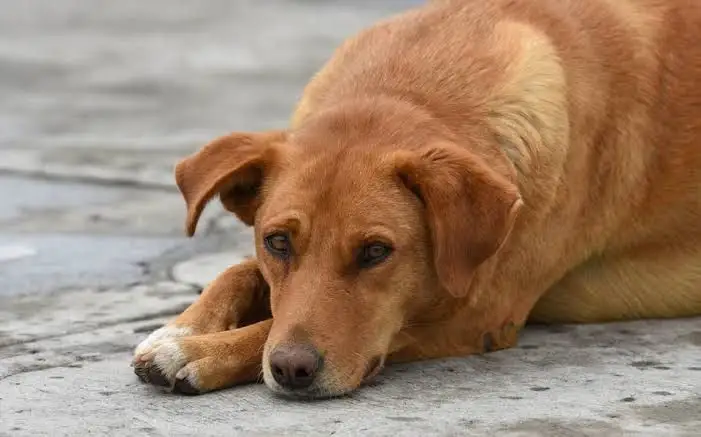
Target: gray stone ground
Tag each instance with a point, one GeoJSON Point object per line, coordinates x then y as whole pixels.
{"type": "Point", "coordinates": [98, 99]}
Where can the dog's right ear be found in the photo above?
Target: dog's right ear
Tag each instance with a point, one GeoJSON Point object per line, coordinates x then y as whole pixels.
{"type": "Point", "coordinates": [233, 166]}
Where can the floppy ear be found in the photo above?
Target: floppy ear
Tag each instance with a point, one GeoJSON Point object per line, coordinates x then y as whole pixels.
{"type": "Point", "coordinates": [470, 209]}
{"type": "Point", "coordinates": [233, 166]}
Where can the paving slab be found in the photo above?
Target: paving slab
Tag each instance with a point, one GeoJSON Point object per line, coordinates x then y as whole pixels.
{"type": "Point", "coordinates": [55, 261]}
{"type": "Point", "coordinates": [34, 316]}
{"type": "Point", "coordinates": [39, 207]}
{"type": "Point", "coordinates": [202, 269]}
{"type": "Point", "coordinates": [57, 234]}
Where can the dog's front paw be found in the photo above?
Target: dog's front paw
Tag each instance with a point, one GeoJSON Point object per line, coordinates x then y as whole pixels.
{"type": "Point", "coordinates": [161, 341]}
{"type": "Point", "coordinates": [159, 362]}
{"type": "Point", "coordinates": [188, 366]}
{"type": "Point", "coordinates": [202, 363]}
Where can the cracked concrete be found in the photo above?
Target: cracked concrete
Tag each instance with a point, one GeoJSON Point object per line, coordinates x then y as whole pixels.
{"type": "Point", "coordinates": [100, 99]}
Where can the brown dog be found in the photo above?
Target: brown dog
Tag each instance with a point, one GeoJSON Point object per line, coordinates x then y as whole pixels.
{"type": "Point", "coordinates": [450, 174]}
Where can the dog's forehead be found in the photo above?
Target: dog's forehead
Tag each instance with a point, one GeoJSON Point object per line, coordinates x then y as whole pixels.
{"type": "Point", "coordinates": [341, 185]}
{"type": "Point", "coordinates": [345, 173]}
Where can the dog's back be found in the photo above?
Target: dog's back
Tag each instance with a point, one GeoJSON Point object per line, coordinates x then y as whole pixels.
{"type": "Point", "coordinates": [598, 105]}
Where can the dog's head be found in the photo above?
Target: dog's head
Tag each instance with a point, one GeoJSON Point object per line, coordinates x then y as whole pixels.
{"type": "Point", "coordinates": [361, 222]}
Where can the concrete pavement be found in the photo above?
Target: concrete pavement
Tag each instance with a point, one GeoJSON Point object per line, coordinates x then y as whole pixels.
{"type": "Point", "coordinates": [99, 99]}
{"type": "Point", "coordinates": [64, 371]}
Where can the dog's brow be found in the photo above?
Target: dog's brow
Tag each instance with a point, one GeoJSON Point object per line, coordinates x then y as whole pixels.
{"type": "Point", "coordinates": [291, 221]}
{"type": "Point", "coordinates": [370, 232]}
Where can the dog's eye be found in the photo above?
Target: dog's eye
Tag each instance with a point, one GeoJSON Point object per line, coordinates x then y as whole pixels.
{"type": "Point", "coordinates": [278, 244]}
{"type": "Point", "coordinates": [373, 254]}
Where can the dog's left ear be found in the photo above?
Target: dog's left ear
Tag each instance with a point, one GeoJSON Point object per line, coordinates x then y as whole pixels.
{"type": "Point", "coordinates": [235, 167]}
{"type": "Point", "coordinates": [470, 208]}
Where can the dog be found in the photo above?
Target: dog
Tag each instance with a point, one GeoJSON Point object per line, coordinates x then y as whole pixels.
{"type": "Point", "coordinates": [452, 173]}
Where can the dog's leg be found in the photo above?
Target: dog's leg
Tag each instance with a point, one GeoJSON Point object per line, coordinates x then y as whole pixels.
{"type": "Point", "coordinates": [658, 281]}
{"type": "Point", "coordinates": [202, 363]}
{"type": "Point", "coordinates": [237, 297]}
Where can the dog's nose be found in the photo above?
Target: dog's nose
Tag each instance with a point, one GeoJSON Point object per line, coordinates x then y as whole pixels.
{"type": "Point", "coordinates": [294, 366]}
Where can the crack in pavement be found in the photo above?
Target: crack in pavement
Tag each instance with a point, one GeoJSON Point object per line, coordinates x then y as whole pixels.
{"type": "Point", "coordinates": [31, 368]}
{"type": "Point", "coordinates": [145, 317]}
{"type": "Point", "coordinates": [125, 182]}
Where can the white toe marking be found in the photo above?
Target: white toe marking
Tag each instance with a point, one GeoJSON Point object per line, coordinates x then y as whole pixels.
{"type": "Point", "coordinates": [163, 333]}
{"type": "Point", "coordinates": [188, 373]}
{"type": "Point", "coordinates": [182, 373]}
{"type": "Point", "coordinates": [169, 358]}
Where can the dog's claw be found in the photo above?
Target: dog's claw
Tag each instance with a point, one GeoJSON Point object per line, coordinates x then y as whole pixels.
{"type": "Point", "coordinates": [156, 377]}
{"type": "Point", "coordinates": [148, 373]}
{"type": "Point", "coordinates": [183, 386]}
{"type": "Point", "coordinates": [140, 373]}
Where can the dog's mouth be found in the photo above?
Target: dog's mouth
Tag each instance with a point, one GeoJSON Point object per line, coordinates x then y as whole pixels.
{"type": "Point", "coordinates": [374, 367]}
{"type": "Point", "coordinates": [310, 394]}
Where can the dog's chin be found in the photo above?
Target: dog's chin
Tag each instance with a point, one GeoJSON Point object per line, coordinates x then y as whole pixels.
{"type": "Point", "coordinates": [314, 392]}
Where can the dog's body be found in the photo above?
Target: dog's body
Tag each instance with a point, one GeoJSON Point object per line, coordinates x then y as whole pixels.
{"type": "Point", "coordinates": [545, 163]}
